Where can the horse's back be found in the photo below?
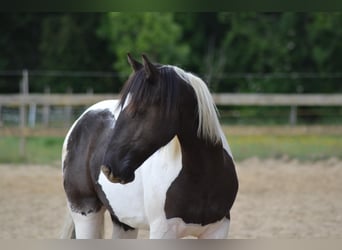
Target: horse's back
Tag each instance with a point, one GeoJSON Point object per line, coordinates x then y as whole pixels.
{"type": "Point", "coordinates": [83, 151]}
{"type": "Point", "coordinates": [107, 105]}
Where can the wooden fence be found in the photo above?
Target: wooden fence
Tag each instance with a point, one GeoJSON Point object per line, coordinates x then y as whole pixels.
{"type": "Point", "coordinates": [24, 100]}
{"type": "Point", "coordinates": [69, 100]}
{"type": "Point", "coordinates": [279, 99]}
{"type": "Point", "coordinates": [220, 99]}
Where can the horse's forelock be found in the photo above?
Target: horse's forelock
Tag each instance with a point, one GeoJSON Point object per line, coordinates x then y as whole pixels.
{"type": "Point", "coordinates": [138, 93]}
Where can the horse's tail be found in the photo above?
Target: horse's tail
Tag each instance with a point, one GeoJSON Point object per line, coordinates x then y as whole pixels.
{"type": "Point", "coordinates": [68, 230]}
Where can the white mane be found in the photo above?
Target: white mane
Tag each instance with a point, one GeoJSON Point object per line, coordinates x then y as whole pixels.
{"type": "Point", "coordinates": [209, 125]}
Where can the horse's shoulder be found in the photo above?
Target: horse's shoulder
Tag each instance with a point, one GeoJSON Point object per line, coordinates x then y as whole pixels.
{"type": "Point", "coordinates": [109, 105]}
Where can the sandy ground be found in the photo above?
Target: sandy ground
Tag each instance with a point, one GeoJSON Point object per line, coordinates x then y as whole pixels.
{"type": "Point", "coordinates": [277, 199]}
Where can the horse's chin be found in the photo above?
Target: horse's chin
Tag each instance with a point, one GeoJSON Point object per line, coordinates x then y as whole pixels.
{"type": "Point", "coordinates": [114, 179]}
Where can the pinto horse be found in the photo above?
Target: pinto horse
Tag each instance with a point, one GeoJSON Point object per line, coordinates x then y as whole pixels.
{"type": "Point", "coordinates": [156, 159]}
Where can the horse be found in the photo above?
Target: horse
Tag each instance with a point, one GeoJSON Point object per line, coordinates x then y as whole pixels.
{"type": "Point", "coordinates": [156, 159]}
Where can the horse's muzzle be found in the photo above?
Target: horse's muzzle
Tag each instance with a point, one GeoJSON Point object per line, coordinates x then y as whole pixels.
{"type": "Point", "coordinates": [109, 174]}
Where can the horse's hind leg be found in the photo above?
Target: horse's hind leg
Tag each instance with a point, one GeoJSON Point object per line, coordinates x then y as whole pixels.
{"type": "Point", "coordinates": [120, 233]}
{"type": "Point", "coordinates": [90, 225]}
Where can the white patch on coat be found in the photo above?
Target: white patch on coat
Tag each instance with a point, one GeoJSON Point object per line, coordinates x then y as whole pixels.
{"type": "Point", "coordinates": [127, 101]}
{"type": "Point", "coordinates": [127, 201]}
{"type": "Point", "coordinates": [142, 201]}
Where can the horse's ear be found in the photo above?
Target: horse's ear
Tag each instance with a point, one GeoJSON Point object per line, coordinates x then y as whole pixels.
{"type": "Point", "coordinates": [150, 70]}
{"type": "Point", "coordinates": [134, 64]}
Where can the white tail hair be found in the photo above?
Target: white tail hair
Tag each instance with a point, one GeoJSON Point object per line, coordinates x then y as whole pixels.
{"type": "Point", "coordinates": [68, 230]}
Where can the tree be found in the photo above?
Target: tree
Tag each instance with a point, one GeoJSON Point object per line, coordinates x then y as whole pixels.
{"type": "Point", "coordinates": [156, 34]}
{"type": "Point", "coordinates": [220, 47]}
{"type": "Point", "coordinates": [19, 39]}
{"type": "Point", "coordinates": [252, 45]}
{"type": "Point", "coordinates": [326, 50]}
{"type": "Point", "coordinates": [204, 33]}
{"type": "Point", "coordinates": [69, 42]}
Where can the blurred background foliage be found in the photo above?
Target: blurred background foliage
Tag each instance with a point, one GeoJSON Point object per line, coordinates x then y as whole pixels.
{"type": "Point", "coordinates": [245, 52]}
{"type": "Point", "coordinates": [234, 52]}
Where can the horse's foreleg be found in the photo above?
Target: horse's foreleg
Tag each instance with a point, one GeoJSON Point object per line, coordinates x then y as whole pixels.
{"type": "Point", "coordinates": [155, 234]}
{"type": "Point", "coordinates": [217, 230]}
{"type": "Point", "coordinates": [160, 229]}
{"type": "Point", "coordinates": [89, 226]}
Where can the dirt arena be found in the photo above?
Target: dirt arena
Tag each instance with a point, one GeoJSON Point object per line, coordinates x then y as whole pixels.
{"type": "Point", "coordinates": [277, 199]}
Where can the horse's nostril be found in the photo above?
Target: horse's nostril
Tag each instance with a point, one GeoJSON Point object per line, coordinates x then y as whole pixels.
{"type": "Point", "coordinates": [105, 170]}
{"type": "Point", "coordinates": [108, 173]}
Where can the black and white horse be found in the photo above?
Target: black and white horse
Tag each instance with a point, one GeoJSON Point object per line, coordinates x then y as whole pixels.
{"type": "Point", "coordinates": [156, 159]}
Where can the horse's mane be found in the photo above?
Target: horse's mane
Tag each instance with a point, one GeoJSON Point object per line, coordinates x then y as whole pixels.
{"type": "Point", "coordinates": [209, 125]}
{"type": "Point", "coordinates": [138, 95]}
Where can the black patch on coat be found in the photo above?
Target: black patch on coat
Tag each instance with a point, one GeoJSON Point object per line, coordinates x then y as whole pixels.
{"type": "Point", "coordinates": [203, 193]}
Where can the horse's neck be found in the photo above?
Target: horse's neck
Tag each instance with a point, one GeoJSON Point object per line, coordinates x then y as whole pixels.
{"type": "Point", "coordinates": [201, 156]}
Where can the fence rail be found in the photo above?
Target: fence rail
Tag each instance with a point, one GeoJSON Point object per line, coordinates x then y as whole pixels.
{"type": "Point", "coordinates": [47, 100]}
{"type": "Point", "coordinates": [250, 130]}
{"type": "Point", "coordinates": [54, 99]}
{"type": "Point", "coordinates": [279, 99]}
{"type": "Point", "coordinates": [220, 99]}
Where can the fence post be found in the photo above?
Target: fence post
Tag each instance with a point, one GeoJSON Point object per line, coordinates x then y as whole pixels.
{"type": "Point", "coordinates": [293, 115]}
{"type": "Point", "coordinates": [24, 89]}
{"type": "Point", "coordinates": [1, 124]}
{"type": "Point", "coordinates": [68, 111]}
{"type": "Point", "coordinates": [46, 108]}
{"type": "Point", "coordinates": [32, 115]}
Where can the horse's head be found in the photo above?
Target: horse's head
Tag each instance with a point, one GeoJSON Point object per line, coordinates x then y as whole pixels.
{"type": "Point", "coordinates": [154, 101]}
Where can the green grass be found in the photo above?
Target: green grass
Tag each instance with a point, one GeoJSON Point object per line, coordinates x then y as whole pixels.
{"type": "Point", "coordinates": [302, 147]}
{"type": "Point", "coordinates": [47, 150]}
{"type": "Point", "coordinates": [39, 150]}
